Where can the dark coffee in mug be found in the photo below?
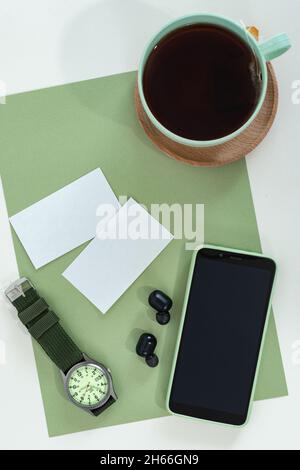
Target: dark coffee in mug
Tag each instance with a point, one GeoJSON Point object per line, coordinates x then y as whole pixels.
{"type": "Point", "coordinates": [202, 82]}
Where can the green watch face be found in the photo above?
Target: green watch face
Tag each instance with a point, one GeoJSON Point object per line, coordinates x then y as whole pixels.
{"type": "Point", "coordinates": [88, 385]}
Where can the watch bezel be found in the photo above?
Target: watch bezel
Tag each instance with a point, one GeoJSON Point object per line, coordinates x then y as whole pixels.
{"type": "Point", "coordinates": [89, 362]}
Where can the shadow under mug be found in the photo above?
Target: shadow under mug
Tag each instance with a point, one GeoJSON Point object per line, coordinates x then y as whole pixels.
{"type": "Point", "coordinates": [265, 52]}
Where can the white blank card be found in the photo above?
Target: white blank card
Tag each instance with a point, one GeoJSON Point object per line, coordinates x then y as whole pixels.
{"type": "Point", "coordinates": [110, 264]}
{"type": "Point", "coordinates": [64, 220]}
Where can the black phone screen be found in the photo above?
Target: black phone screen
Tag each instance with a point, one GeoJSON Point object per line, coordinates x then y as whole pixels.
{"type": "Point", "coordinates": [221, 336]}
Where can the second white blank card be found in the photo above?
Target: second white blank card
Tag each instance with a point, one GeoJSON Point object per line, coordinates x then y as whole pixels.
{"type": "Point", "coordinates": [110, 264]}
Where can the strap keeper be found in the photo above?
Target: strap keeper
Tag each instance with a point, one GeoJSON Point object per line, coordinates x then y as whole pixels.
{"type": "Point", "coordinates": [33, 311]}
{"type": "Point", "coordinates": [44, 324]}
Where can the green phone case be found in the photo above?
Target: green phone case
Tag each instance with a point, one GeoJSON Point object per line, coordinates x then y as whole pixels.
{"type": "Point", "coordinates": [186, 298]}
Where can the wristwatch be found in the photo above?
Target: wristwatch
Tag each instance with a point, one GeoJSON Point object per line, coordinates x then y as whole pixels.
{"type": "Point", "coordinates": [88, 384]}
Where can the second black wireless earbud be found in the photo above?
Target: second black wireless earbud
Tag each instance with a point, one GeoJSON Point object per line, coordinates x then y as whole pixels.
{"type": "Point", "coordinates": [145, 348]}
{"type": "Point", "coordinates": [162, 304]}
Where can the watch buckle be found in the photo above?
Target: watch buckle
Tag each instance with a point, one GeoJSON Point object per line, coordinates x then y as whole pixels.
{"type": "Point", "coordinates": [18, 289]}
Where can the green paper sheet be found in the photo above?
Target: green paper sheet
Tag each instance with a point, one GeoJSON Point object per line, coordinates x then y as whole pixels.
{"type": "Point", "coordinates": [51, 137]}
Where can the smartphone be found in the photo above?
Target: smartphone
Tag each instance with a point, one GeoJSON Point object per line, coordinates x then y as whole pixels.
{"type": "Point", "coordinates": [225, 316]}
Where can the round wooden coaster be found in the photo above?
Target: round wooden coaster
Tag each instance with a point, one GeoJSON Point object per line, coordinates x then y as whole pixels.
{"type": "Point", "coordinates": [221, 154]}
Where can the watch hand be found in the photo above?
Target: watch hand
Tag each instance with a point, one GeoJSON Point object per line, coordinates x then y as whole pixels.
{"type": "Point", "coordinates": [94, 387]}
{"type": "Point", "coordinates": [98, 390]}
{"type": "Point", "coordinates": [87, 387]}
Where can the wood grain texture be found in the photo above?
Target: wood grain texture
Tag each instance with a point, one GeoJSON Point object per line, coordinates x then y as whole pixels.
{"type": "Point", "coordinates": [219, 155]}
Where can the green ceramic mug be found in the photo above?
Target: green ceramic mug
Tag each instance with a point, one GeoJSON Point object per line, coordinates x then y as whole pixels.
{"type": "Point", "coordinates": [264, 52]}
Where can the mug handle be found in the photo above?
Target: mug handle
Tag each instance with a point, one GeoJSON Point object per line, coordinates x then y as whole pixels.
{"type": "Point", "coordinates": [275, 47]}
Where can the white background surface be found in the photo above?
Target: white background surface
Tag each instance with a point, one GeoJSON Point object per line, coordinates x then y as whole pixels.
{"type": "Point", "coordinates": [49, 42]}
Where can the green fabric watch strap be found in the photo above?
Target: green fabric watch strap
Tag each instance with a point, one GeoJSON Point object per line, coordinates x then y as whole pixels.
{"type": "Point", "coordinates": [33, 311]}
{"type": "Point", "coordinates": [44, 326]}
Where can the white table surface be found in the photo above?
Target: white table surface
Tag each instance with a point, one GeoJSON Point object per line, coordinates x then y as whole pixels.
{"type": "Point", "coordinates": [50, 42]}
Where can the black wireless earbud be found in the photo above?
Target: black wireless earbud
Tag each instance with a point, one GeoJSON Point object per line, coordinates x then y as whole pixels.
{"type": "Point", "coordinates": [145, 348]}
{"type": "Point", "coordinates": [162, 304]}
